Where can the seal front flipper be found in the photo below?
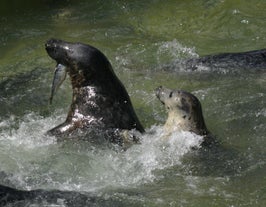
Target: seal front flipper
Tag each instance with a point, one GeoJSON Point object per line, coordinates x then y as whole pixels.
{"type": "Point", "coordinates": [61, 130]}
{"type": "Point", "coordinates": [59, 77]}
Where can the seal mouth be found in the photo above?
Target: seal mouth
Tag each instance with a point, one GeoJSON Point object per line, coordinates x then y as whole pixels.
{"type": "Point", "coordinates": [163, 93]}
{"type": "Point", "coordinates": [158, 91]}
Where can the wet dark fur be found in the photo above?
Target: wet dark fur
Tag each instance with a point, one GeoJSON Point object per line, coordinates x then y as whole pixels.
{"type": "Point", "coordinates": [249, 60]}
{"type": "Point", "coordinates": [246, 60]}
{"type": "Point", "coordinates": [100, 101]}
{"type": "Point", "coordinates": [17, 197]}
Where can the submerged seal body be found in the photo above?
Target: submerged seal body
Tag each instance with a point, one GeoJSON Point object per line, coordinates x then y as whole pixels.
{"type": "Point", "coordinates": [100, 101]}
{"type": "Point", "coordinates": [249, 60]}
{"type": "Point", "coordinates": [184, 113]}
{"type": "Point", "coordinates": [255, 59]}
{"type": "Point", "coordinates": [10, 196]}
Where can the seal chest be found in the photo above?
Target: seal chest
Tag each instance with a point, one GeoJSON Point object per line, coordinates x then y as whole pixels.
{"type": "Point", "coordinates": [100, 101]}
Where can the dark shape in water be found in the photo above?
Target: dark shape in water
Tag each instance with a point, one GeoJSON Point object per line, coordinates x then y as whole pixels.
{"type": "Point", "coordinates": [19, 198]}
{"type": "Point", "coordinates": [10, 195]}
{"type": "Point", "coordinates": [243, 60]}
{"type": "Point", "coordinates": [250, 60]}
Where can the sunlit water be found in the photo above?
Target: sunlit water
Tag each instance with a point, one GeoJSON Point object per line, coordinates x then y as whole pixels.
{"type": "Point", "coordinates": [146, 43]}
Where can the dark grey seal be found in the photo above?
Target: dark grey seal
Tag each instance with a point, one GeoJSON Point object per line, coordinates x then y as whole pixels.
{"type": "Point", "coordinates": [14, 197]}
{"type": "Point", "coordinates": [184, 113]}
{"type": "Point", "coordinates": [100, 101]}
{"type": "Point", "coordinates": [10, 196]}
{"type": "Point", "coordinates": [255, 59]}
{"type": "Point", "coordinates": [224, 62]}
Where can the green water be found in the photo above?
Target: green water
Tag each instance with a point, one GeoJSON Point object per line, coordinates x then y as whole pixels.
{"type": "Point", "coordinates": [139, 38]}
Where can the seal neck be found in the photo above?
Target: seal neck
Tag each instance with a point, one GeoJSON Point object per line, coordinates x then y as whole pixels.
{"type": "Point", "coordinates": [84, 106]}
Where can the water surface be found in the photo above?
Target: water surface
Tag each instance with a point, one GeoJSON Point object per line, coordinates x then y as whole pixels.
{"type": "Point", "coordinates": [139, 38]}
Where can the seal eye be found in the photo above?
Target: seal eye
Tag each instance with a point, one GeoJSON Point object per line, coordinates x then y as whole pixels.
{"type": "Point", "coordinates": [171, 94]}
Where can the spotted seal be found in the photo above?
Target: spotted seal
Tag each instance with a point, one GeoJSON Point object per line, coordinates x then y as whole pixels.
{"type": "Point", "coordinates": [100, 101]}
{"type": "Point", "coordinates": [184, 113]}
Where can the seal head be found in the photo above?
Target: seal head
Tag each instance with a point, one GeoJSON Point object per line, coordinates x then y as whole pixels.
{"type": "Point", "coordinates": [184, 112]}
{"type": "Point", "coordinates": [100, 101]}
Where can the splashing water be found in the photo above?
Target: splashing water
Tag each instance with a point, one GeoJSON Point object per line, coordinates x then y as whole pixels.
{"type": "Point", "coordinates": [175, 51]}
{"type": "Point", "coordinates": [82, 166]}
{"type": "Point", "coordinates": [141, 39]}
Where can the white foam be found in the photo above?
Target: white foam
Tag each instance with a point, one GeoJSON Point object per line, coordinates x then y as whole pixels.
{"type": "Point", "coordinates": [30, 131]}
{"type": "Point", "coordinates": [43, 163]}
